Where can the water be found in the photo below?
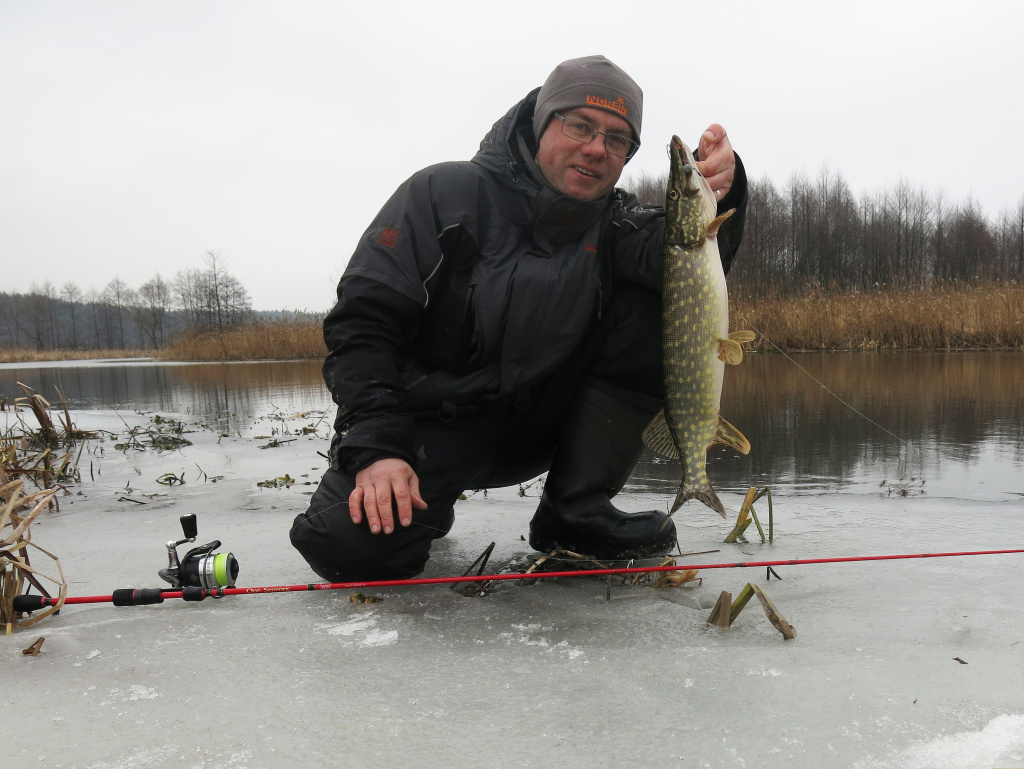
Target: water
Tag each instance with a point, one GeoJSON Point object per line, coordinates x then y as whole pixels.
{"type": "Point", "coordinates": [948, 424]}
{"type": "Point", "coordinates": [227, 396]}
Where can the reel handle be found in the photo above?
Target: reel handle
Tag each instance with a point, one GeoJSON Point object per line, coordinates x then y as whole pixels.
{"type": "Point", "coordinates": [189, 526]}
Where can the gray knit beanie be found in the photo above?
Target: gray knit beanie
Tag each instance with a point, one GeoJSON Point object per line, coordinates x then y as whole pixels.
{"type": "Point", "coordinates": [591, 81]}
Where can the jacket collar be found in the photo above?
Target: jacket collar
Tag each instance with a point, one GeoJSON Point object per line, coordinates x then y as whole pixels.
{"type": "Point", "coordinates": [507, 153]}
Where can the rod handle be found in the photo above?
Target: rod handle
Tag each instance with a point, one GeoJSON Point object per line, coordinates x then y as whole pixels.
{"type": "Point", "coordinates": [27, 603]}
{"type": "Point", "coordinates": [132, 597]}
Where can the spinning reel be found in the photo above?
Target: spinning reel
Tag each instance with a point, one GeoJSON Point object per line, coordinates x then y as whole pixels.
{"type": "Point", "coordinates": [201, 567]}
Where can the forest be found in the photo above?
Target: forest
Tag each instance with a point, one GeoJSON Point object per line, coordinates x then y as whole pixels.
{"type": "Point", "coordinates": [822, 267]}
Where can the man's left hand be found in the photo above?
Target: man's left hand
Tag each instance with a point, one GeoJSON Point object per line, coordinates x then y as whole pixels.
{"type": "Point", "coordinates": [718, 163]}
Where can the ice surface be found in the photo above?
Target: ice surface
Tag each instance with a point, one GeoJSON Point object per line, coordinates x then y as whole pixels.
{"type": "Point", "coordinates": [548, 674]}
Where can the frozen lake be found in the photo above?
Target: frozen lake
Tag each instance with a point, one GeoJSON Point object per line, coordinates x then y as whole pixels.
{"type": "Point", "coordinates": [553, 672]}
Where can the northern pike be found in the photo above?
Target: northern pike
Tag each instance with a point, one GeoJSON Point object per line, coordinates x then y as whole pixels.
{"type": "Point", "coordinates": [696, 343]}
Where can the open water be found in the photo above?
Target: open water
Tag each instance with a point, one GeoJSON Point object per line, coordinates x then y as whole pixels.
{"type": "Point", "coordinates": [908, 423]}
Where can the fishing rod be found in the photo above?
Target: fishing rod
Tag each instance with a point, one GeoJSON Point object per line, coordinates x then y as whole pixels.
{"type": "Point", "coordinates": [133, 597]}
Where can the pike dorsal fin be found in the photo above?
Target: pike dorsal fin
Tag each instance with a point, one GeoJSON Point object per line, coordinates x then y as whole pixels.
{"type": "Point", "coordinates": [658, 438]}
{"type": "Point", "coordinates": [727, 435]}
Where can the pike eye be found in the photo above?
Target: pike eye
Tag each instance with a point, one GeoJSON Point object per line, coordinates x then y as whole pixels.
{"type": "Point", "coordinates": [673, 194]}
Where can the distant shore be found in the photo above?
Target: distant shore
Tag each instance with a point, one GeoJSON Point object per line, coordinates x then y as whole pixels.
{"type": "Point", "coordinates": [985, 317]}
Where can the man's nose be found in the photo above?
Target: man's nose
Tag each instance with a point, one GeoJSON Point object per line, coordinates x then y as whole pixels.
{"type": "Point", "coordinates": [595, 146]}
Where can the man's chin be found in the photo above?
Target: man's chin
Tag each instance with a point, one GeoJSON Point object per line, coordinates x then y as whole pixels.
{"type": "Point", "coordinates": [583, 191]}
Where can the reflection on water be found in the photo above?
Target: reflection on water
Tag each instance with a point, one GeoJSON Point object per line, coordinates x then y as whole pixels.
{"type": "Point", "coordinates": [955, 420]}
{"type": "Point", "coordinates": [228, 395]}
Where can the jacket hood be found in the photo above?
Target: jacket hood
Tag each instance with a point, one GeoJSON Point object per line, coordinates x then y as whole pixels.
{"type": "Point", "coordinates": [507, 153]}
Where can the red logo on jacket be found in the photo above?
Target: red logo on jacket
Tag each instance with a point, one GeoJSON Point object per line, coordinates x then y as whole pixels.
{"type": "Point", "coordinates": [388, 237]}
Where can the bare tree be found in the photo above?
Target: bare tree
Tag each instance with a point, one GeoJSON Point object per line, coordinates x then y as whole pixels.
{"type": "Point", "coordinates": [1010, 240]}
{"type": "Point", "coordinates": [118, 295]}
{"type": "Point", "coordinates": [150, 305]}
{"type": "Point", "coordinates": [212, 299]}
{"type": "Point", "coordinates": [72, 295]}
{"type": "Point", "coordinates": [650, 189]}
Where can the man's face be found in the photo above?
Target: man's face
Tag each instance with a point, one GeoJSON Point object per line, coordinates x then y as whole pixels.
{"type": "Point", "coordinates": [585, 171]}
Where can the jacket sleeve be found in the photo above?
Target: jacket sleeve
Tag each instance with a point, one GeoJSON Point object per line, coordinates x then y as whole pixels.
{"type": "Point", "coordinates": [381, 300]}
{"type": "Point", "coordinates": [636, 234]}
{"type": "Point", "coordinates": [367, 335]}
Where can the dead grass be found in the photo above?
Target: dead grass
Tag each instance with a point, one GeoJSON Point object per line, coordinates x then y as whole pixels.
{"type": "Point", "coordinates": [946, 318]}
{"type": "Point", "coordinates": [25, 355]}
{"type": "Point", "coordinates": [264, 340]}
{"type": "Point", "coordinates": [955, 317]}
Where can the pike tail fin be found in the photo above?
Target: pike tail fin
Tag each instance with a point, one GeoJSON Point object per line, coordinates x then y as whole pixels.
{"type": "Point", "coordinates": [703, 492]}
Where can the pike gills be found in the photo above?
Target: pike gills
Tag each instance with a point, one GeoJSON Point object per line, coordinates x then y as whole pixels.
{"type": "Point", "coordinates": [696, 343]}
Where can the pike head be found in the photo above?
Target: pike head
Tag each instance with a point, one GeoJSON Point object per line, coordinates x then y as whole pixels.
{"type": "Point", "coordinates": [690, 204]}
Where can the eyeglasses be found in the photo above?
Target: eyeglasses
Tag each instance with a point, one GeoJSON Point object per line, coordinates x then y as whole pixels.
{"type": "Point", "coordinates": [584, 131]}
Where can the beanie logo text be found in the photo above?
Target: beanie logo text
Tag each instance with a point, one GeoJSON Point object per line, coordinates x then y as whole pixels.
{"type": "Point", "coordinates": [599, 101]}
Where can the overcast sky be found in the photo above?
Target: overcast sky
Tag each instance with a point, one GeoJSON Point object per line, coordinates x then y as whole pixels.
{"type": "Point", "coordinates": [136, 136]}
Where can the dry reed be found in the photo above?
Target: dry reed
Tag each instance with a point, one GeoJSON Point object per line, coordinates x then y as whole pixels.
{"type": "Point", "coordinates": [263, 340]}
{"type": "Point", "coordinates": [25, 355]}
{"type": "Point", "coordinates": [957, 317]}
{"type": "Point", "coordinates": [944, 318]}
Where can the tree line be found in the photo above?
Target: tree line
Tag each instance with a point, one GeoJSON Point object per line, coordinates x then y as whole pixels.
{"type": "Point", "coordinates": [817, 232]}
{"type": "Point", "coordinates": [195, 300]}
{"type": "Point", "coordinates": [808, 233]}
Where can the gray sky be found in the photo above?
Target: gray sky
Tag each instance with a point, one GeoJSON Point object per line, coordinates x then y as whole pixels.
{"type": "Point", "coordinates": [136, 136]}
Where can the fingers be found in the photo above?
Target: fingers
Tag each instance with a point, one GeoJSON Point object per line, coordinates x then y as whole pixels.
{"type": "Point", "coordinates": [377, 486]}
{"type": "Point", "coordinates": [712, 135]}
{"type": "Point", "coordinates": [718, 165]}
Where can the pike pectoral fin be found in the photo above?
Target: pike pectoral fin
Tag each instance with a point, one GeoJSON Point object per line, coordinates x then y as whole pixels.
{"type": "Point", "coordinates": [717, 222]}
{"type": "Point", "coordinates": [658, 438]}
{"type": "Point", "coordinates": [727, 435]}
{"type": "Point", "coordinates": [730, 351]}
{"type": "Point", "coordinates": [704, 493]}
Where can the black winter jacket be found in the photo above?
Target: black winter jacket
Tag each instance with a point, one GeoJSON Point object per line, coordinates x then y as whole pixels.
{"type": "Point", "coordinates": [475, 282]}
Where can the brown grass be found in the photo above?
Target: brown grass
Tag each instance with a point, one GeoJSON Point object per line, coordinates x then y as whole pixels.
{"type": "Point", "coordinates": [264, 340]}
{"type": "Point", "coordinates": [945, 318]}
{"type": "Point", "coordinates": [955, 317]}
{"type": "Point", "coordinates": [25, 355]}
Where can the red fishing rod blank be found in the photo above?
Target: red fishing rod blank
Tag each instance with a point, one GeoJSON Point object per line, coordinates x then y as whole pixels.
{"type": "Point", "coordinates": [134, 597]}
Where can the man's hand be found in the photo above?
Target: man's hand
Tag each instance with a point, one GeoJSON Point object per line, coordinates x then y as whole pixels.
{"type": "Point", "coordinates": [375, 486]}
{"type": "Point", "coordinates": [718, 163]}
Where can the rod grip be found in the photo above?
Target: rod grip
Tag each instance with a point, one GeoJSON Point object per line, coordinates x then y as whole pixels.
{"type": "Point", "coordinates": [132, 597]}
{"type": "Point", "coordinates": [26, 603]}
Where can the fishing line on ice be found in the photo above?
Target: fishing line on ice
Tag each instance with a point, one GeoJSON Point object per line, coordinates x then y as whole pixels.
{"type": "Point", "coordinates": [825, 387]}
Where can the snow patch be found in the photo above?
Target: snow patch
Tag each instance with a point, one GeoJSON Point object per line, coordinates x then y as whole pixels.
{"type": "Point", "coordinates": [1000, 743]}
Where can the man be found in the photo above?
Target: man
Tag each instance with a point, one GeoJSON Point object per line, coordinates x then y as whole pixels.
{"type": "Point", "coordinates": [501, 318]}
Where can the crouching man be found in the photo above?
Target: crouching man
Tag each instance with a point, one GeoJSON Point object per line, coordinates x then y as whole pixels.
{"type": "Point", "coordinates": [499, 319]}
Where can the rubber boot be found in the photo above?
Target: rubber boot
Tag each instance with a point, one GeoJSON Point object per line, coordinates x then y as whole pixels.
{"type": "Point", "coordinates": [598, 446]}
